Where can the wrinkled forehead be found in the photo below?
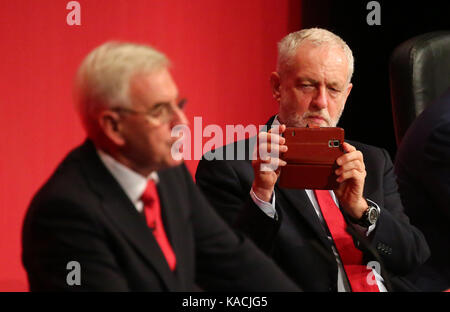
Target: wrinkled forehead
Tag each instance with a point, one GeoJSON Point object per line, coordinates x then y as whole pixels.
{"type": "Point", "coordinates": [326, 56]}
{"type": "Point", "coordinates": [323, 54]}
{"type": "Point", "coordinates": [153, 87]}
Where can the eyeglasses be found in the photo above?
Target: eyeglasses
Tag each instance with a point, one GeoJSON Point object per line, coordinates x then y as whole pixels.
{"type": "Point", "coordinates": [162, 112]}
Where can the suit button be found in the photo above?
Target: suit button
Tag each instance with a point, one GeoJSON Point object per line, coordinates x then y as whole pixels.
{"type": "Point", "coordinates": [381, 247]}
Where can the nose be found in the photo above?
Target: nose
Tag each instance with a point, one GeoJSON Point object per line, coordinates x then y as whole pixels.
{"type": "Point", "coordinates": [179, 118]}
{"type": "Point", "coordinates": [320, 100]}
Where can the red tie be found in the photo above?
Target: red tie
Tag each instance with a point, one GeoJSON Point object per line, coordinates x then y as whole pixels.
{"type": "Point", "coordinates": [352, 257]}
{"type": "Point", "coordinates": [152, 211]}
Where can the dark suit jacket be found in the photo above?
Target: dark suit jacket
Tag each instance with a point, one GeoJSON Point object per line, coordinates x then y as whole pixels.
{"type": "Point", "coordinates": [82, 214]}
{"type": "Point", "coordinates": [423, 169]}
{"type": "Point", "coordinates": [298, 241]}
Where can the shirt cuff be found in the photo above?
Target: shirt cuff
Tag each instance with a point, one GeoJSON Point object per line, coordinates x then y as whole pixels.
{"type": "Point", "coordinates": [266, 207]}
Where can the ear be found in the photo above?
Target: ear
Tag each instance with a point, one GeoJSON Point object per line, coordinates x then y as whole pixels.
{"type": "Point", "coordinates": [110, 125]}
{"type": "Point", "coordinates": [349, 88]}
{"type": "Point", "coordinates": [275, 83]}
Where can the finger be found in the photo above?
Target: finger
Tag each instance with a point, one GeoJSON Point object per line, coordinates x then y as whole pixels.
{"type": "Point", "coordinates": [270, 161]}
{"type": "Point", "coordinates": [263, 149]}
{"type": "Point", "coordinates": [351, 156]}
{"type": "Point", "coordinates": [268, 137]}
{"type": "Point", "coordinates": [351, 174]}
{"type": "Point", "coordinates": [273, 149]}
{"type": "Point", "coordinates": [348, 148]}
{"type": "Point", "coordinates": [275, 161]}
{"type": "Point", "coordinates": [271, 164]}
{"type": "Point", "coordinates": [355, 164]}
{"type": "Point", "coordinates": [278, 129]}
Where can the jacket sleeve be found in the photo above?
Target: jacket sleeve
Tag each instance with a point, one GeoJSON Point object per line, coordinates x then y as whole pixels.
{"type": "Point", "coordinates": [402, 247]}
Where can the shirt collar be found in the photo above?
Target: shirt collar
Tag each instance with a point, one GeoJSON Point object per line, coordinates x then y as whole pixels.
{"type": "Point", "coordinates": [276, 122]}
{"type": "Point", "coordinates": [131, 182]}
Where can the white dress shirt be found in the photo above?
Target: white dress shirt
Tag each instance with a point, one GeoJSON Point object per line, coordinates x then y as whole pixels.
{"type": "Point", "coordinates": [342, 282]}
{"type": "Point", "coordinates": [131, 182]}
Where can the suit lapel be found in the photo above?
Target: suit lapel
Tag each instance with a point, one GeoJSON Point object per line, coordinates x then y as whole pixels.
{"type": "Point", "coordinates": [173, 219]}
{"type": "Point", "coordinates": [118, 207]}
{"type": "Point", "coordinates": [302, 204]}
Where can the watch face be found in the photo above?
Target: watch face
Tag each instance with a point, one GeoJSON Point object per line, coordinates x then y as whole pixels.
{"type": "Point", "coordinates": [373, 215]}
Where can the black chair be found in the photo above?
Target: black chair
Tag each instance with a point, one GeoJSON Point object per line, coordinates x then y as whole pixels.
{"type": "Point", "coordinates": [419, 71]}
{"type": "Point", "coordinates": [420, 74]}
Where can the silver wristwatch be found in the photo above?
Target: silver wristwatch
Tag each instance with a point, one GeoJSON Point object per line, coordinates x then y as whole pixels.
{"type": "Point", "coordinates": [370, 216]}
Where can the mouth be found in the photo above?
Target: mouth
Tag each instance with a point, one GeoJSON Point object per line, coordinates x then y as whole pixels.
{"type": "Point", "coordinates": [317, 119]}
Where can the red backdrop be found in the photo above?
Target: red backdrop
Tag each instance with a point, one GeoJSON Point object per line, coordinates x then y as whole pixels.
{"type": "Point", "coordinates": [222, 51]}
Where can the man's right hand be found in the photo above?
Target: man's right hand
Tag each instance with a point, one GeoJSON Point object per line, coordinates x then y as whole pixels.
{"type": "Point", "coordinates": [267, 163]}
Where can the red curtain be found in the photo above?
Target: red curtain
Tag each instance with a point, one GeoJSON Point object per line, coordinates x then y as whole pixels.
{"type": "Point", "coordinates": [222, 54]}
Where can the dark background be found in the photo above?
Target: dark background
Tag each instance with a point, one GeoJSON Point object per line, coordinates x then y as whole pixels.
{"type": "Point", "coordinates": [368, 115]}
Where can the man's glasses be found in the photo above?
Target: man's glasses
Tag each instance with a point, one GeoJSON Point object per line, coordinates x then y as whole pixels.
{"type": "Point", "coordinates": [162, 112]}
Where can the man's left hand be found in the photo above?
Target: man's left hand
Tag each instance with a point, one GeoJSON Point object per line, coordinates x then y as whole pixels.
{"type": "Point", "coordinates": [351, 175]}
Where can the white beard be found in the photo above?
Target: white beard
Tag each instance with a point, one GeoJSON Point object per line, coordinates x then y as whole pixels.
{"type": "Point", "coordinates": [295, 120]}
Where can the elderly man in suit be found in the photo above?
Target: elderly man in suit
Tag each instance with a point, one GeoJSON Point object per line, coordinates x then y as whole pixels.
{"type": "Point", "coordinates": [122, 207]}
{"type": "Point", "coordinates": [324, 240]}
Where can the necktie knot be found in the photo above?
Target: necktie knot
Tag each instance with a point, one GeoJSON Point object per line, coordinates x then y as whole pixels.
{"type": "Point", "coordinates": [150, 193]}
{"type": "Point", "coordinates": [149, 198]}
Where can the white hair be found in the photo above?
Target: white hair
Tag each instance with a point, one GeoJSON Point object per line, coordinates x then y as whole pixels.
{"type": "Point", "coordinates": [103, 78]}
{"type": "Point", "coordinates": [288, 46]}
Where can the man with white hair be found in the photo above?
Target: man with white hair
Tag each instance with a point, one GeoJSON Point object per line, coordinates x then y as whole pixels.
{"type": "Point", "coordinates": [120, 213]}
{"type": "Point", "coordinates": [347, 239]}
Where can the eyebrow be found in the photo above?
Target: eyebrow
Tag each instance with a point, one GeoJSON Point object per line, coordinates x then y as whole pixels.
{"type": "Point", "coordinates": [168, 102]}
{"type": "Point", "coordinates": [160, 103]}
{"type": "Point", "coordinates": [303, 79]}
{"type": "Point", "coordinates": [178, 100]}
{"type": "Point", "coordinates": [335, 85]}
